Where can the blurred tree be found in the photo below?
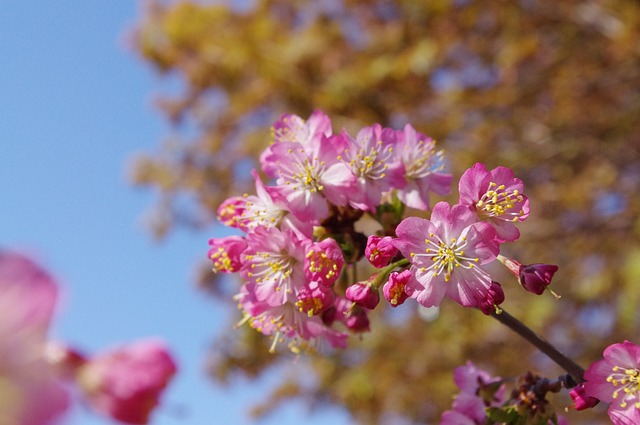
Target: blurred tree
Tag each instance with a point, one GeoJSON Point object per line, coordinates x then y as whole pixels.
{"type": "Point", "coordinates": [550, 89]}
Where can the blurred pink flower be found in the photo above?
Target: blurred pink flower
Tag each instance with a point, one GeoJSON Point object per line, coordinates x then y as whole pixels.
{"type": "Point", "coordinates": [616, 380]}
{"type": "Point", "coordinates": [127, 382]}
{"type": "Point", "coordinates": [29, 393]}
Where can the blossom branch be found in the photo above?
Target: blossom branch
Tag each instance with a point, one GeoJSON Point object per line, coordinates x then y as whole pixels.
{"type": "Point", "coordinates": [575, 370]}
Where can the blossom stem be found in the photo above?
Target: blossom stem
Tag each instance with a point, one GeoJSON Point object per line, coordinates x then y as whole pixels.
{"type": "Point", "coordinates": [384, 273]}
{"type": "Point", "coordinates": [575, 370]}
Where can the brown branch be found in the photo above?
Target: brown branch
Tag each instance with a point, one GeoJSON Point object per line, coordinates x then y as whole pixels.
{"type": "Point", "coordinates": [575, 370]}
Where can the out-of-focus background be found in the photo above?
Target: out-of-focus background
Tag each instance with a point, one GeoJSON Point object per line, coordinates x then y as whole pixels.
{"type": "Point", "coordinates": [549, 89]}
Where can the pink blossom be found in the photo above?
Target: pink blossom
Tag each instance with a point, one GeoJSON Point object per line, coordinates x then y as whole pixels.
{"type": "Point", "coordinates": [323, 262]}
{"type": "Point", "coordinates": [266, 208]}
{"type": "Point", "coordinates": [393, 290]}
{"type": "Point", "coordinates": [309, 177]}
{"type": "Point", "coordinates": [372, 158]}
{"type": "Point", "coordinates": [127, 382]}
{"type": "Point", "coordinates": [314, 298]}
{"type": "Point", "coordinates": [496, 197]}
{"type": "Point", "coordinates": [616, 380]}
{"type": "Point", "coordinates": [424, 168]}
{"type": "Point", "coordinates": [30, 393]}
{"type": "Point", "coordinates": [292, 128]}
{"type": "Point", "coordinates": [225, 253]}
{"type": "Point", "coordinates": [469, 406]}
{"type": "Point", "coordinates": [286, 321]}
{"type": "Point", "coordinates": [445, 253]}
{"type": "Point", "coordinates": [380, 251]}
{"type": "Point", "coordinates": [274, 261]}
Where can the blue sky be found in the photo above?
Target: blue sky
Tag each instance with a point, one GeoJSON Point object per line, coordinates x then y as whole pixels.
{"type": "Point", "coordinates": [75, 107]}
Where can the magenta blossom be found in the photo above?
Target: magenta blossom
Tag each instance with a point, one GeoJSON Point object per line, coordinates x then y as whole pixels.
{"type": "Point", "coordinates": [31, 394]}
{"type": "Point", "coordinates": [323, 262]}
{"type": "Point", "coordinates": [496, 197]}
{"type": "Point", "coordinates": [393, 289]}
{"type": "Point", "coordinates": [616, 380]}
{"type": "Point", "coordinates": [274, 260]}
{"type": "Point", "coordinates": [445, 254]}
{"type": "Point", "coordinates": [225, 253]}
{"type": "Point", "coordinates": [372, 159]}
{"type": "Point", "coordinates": [127, 382]}
{"type": "Point", "coordinates": [314, 298]}
{"type": "Point", "coordinates": [424, 168]}
{"type": "Point", "coordinates": [287, 320]}
{"type": "Point", "coordinates": [380, 251]}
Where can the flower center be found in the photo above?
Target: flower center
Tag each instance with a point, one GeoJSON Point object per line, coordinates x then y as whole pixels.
{"type": "Point", "coordinates": [303, 172]}
{"type": "Point", "coordinates": [627, 384]}
{"type": "Point", "coordinates": [370, 162]}
{"type": "Point", "coordinates": [446, 256]}
{"type": "Point", "coordinates": [310, 305]}
{"type": "Point", "coordinates": [319, 262]}
{"type": "Point", "coordinates": [271, 268]}
{"type": "Point", "coordinates": [498, 202]}
{"type": "Point", "coordinates": [258, 214]}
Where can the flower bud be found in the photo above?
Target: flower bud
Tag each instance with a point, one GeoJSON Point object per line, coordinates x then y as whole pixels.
{"type": "Point", "coordinates": [393, 290]}
{"type": "Point", "coordinates": [225, 253]}
{"type": "Point", "coordinates": [363, 294]}
{"type": "Point", "coordinates": [494, 297]}
{"type": "Point", "coordinates": [357, 320]}
{"type": "Point", "coordinates": [380, 251]}
{"type": "Point", "coordinates": [581, 400]}
{"type": "Point", "coordinates": [533, 277]}
{"type": "Point", "coordinates": [536, 277]}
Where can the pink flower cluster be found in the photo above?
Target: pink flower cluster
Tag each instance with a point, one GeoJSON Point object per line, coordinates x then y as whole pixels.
{"type": "Point", "coordinates": [299, 232]}
{"type": "Point", "coordinates": [124, 385]}
{"type": "Point", "coordinates": [289, 271]}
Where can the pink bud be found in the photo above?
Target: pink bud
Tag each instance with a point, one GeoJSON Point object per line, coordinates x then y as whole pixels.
{"type": "Point", "coordinates": [225, 253]}
{"type": "Point", "coordinates": [494, 297]}
{"type": "Point", "coordinates": [380, 251]}
{"type": "Point", "coordinates": [126, 383]}
{"type": "Point", "coordinates": [581, 400]}
{"type": "Point", "coordinates": [357, 321]}
{"type": "Point", "coordinates": [393, 290]}
{"type": "Point", "coordinates": [230, 212]}
{"type": "Point", "coordinates": [351, 315]}
{"type": "Point", "coordinates": [363, 294]}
